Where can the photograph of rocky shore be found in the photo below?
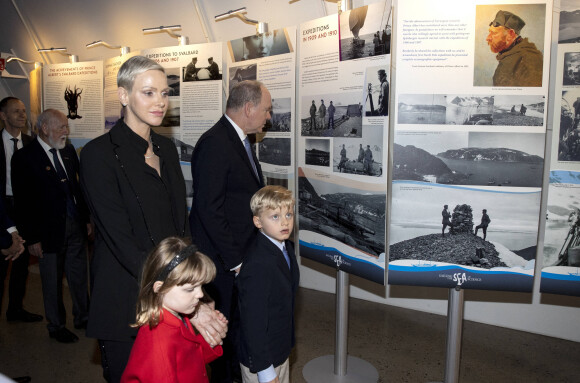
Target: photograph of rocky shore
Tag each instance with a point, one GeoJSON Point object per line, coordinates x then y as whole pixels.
{"type": "Point", "coordinates": [469, 158]}
{"type": "Point", "coordinates": [416, 228]}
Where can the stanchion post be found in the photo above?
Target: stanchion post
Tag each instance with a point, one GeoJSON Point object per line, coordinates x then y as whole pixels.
{"type": "Point", "coordinates": [321, 369]}
{"type": "Point", "coordinates": [454, 329]}
{"type": "Point", "coordinates": [340, 351]}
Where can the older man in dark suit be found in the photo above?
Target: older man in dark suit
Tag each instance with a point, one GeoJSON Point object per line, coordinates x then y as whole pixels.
{"type": "Point", "coordinates": [226, 174]}
{"type": "Point", "coordinates": [13, 116]}
{"type": "Point", "coordinates": [53, 217]}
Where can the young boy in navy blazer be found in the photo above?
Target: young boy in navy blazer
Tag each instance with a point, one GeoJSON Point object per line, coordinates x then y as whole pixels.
{"type": "Point", "coordinates": [267, 286]}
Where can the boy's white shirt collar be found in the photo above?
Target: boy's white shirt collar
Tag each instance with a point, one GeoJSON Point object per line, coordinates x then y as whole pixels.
{"type": "Point", "coordinates": [274, 241]}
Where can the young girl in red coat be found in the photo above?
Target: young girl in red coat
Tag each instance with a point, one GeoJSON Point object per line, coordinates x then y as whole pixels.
{"type": "Point", "coordinates": [167, 349]}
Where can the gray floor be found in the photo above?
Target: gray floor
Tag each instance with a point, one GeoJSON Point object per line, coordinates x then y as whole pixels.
{"type": "Point", "coordinates": [404, 345]}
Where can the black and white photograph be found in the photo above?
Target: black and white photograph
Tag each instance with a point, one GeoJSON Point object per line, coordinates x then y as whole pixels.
{"type": "Point", "coordinates": [469, 109]}
{"type": "Point", "coordinates": [332, 115]}
{"type": "Point", "coordinates": [355, 217]}
{"type": "Point", "coordinates": [241, 73]}
{"type": "Point", "coordinates": [184, 150]}
{"type": "Point", "coordinates": [275, 151]}
{"type": "Point", "coordinates": [173, 115]}
{"type": "Point", "coordinates": [186, 170]}
{"type": "Point", "coordinates": [569, 30]}
{"type": "Point", "coordinates": [260, 45]}
{"type": "Point", "coordinates": [173, 80]}
{"type": "Point", "coordinates": [562, 233]}
{"type": "Point", "coordinates": [276, 181]}
{"type": "Point", "coordinates": [519, 110]}
{"type": "Point", "coordinates": [469, 158]}
{"type": "Point", "coordinates": [365, 31]}
{"type": "Point", "coordinates": [470, 227]}
{"type": "Point", "coordinates": [423, 109]}
{"type": "Point", "coordinates": [376, 97]}
{"type": "Point", "coordinates": [317, 152]}
{"type": "Point", "coordinates": [361, 156]}
{"type": "Point", "coordinates": [569, 137]}
{"type": "Point", "coordinates": [571, 68]}
{"type": "Point", "coordinates": [281, 116]}
{"type": "Point", "coordinates": [206, 69]}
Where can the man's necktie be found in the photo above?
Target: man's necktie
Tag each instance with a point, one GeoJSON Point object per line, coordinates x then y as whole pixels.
{"type": "Point", "coordinates": [250, 156]}
{"type": "Point", "coordinates": [285, 252]}
{"type": "Point", "coordinates": [15, 140]}
{"type": "Point", "coordinates": [59, 169]}
{"type": "Point", "coordinates": [71, 208]}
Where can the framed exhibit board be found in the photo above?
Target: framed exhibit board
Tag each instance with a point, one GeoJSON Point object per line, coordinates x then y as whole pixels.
{"type": "Point", "coordinates": [343, 92]}
{"type": "Point", "coordinates": [469, 137]}
{"type": "Point", "coordinates": [561, 261]}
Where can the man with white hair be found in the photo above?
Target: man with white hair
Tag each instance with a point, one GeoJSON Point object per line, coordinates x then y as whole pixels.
{"type": "Point", "coordinates": [54, 219]}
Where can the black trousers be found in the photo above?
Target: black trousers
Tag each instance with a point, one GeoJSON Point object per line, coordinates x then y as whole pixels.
{"type": "Point", "coordinates": [72, 261]}
{"type": "Point", "coordinates": [114, 358]}
{"type": "Point", "coordinates": [224, 292]}
{"type": "Point", "coordinates": [18, 272]}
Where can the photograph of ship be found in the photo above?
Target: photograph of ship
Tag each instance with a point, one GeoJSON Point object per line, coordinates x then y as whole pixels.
{"type": "Point", "coordinates": [512, 110]}
{"type": "Point", "coordinates": [416, 230]}
{"type": "Point", "coordinates": [469, 158]}
{"type": "Point", "coordinates": [469, 110]}
{"type": "Point", "coordinates": [318, 121]}
{"type": "Point", "coordinates": [569, 22]}
{"type": "Point", "coordinates": [569, 137]}
{"type": "Point", "coordinates": [362, 156]}
{"type": "Point", "coordinates": [421, 109]}
{"type": "Point", "coordinates": [352, 216]}
{"type": "Point", "coordinates": [275, 151]}
{"type": "Point", "coordinates": [365, 31]}
{"type": "Point", "coordinates": [571, 68]}
{"type": "Point", "coordinates": [317, 152]}
{"type": "Point", "coordinates": [516, 110]}
{"type": "Point", "coordinates": [562, 235]}
{"type": "Point", "coordinates": [281, 116]}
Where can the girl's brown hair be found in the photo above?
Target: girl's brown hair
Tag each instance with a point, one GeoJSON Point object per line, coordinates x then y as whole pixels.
{"type": "Point", "coordinates": [195, 269]}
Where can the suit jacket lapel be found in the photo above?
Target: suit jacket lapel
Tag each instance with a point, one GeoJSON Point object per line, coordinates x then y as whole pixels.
{"type": "Point", "coordinates": [293, 265]}
{"type": "Point", "coordinates": [44, 160]}
{"type": "Point", "coordinates": [277, 253]}
{"type": "Point", "coordinates": [70, 172]}
{"type": "Point", "coordinates": [239, 147]}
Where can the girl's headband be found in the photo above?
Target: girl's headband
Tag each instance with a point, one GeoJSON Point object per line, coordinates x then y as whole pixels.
{"type": "Point", "coordinates": [180, 257]}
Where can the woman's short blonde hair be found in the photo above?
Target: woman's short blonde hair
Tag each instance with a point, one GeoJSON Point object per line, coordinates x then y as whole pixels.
{"type": "Point", "coordinates": [271, 197]}
{"type": "Point", "coordinates": [195, 269]}
{"type": "Point", "coordinates": [134, 67]}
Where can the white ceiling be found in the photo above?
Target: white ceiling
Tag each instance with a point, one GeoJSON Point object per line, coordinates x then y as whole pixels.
{"type": "Point", "coordinates": [29, 24]}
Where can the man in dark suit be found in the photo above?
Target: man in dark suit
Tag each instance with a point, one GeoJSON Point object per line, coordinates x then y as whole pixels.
{"type": "Point", "coordinates": [54, 219]}
{"type": "Point", "coordinates": [13, 116]}
{"type": "Point", "coordinates": [226, 173]}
